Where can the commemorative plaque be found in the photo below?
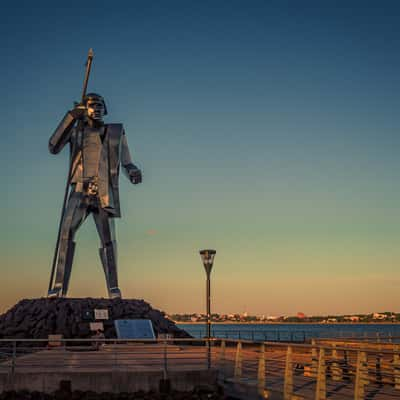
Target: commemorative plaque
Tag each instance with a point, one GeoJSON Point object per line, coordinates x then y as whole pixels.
{"type": "Point", "coordinates": [134, 329]}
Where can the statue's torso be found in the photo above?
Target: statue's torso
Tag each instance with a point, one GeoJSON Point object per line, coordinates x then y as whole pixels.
{"type": "Point", "coordinates": [91, 168]}
{"type": "Point", "coordinates": [91, 153]}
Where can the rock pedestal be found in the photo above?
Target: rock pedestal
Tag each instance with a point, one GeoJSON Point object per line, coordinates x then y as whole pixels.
{"type": "Point", "coordinates": [38, 318]}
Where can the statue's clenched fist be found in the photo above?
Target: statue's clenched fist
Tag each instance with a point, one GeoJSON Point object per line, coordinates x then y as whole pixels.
{"type": "Point", "coordinates": [79, 111]}
{"type": "Point", "coordinates": [135, 175]}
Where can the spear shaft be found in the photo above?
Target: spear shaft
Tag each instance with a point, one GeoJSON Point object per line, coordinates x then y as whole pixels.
{"type": "Point", "coordinates": [87, 73]}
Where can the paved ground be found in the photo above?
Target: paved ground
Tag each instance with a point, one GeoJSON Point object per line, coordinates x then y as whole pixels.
{"type": "Point", "coordinates": [105, 358]}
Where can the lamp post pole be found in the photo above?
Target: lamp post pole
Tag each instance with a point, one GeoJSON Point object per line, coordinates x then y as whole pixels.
{"type": "Point", "coordinates": [207, 256]}
{"type": "Point", "coordinates": [208, 299]}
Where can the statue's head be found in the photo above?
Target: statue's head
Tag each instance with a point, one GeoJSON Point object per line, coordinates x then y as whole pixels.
{"type": "Point", "coordinates": [95, 105]}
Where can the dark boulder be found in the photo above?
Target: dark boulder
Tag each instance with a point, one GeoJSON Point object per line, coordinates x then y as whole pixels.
{"type": "Point", "coordinates": [38, 318]}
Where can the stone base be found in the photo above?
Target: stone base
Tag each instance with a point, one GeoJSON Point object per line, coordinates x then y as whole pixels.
{"type": "Point", "coordinates": [38, 318]}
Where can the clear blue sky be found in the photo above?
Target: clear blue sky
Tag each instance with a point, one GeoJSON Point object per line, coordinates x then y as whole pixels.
{"type": "Point", "coordinates": [268, 130]}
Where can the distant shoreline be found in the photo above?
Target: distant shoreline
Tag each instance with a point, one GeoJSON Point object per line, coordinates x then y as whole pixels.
{"type": "Point", "coordinates": [290, 323]}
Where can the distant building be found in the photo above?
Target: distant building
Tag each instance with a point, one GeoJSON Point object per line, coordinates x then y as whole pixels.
{"type": "Point", "coordinates": [301, 315]}
{"type": "Point", "coordinates": [352, 318]}
{"type": "Point", "coordinates": [379, 316]}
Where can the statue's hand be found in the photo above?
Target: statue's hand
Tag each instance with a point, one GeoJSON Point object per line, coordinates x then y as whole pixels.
{"type": "Point", "coordinates": [135, 175]}
{"type": "Point", "coordinates": [79, 111]}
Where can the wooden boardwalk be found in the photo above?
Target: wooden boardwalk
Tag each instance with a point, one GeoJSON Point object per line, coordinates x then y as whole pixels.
{"type": "Point", "coordinates": [304, 386]}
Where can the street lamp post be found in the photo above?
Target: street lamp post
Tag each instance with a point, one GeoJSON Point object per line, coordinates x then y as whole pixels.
{"type": "Point", "coordinates": [207, 256]}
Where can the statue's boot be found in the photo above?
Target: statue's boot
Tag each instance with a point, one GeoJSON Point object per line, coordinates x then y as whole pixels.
{"type": "Point", "coordinates": [54, 292]}
{"type": "Point", "coordinates": [108, 255]}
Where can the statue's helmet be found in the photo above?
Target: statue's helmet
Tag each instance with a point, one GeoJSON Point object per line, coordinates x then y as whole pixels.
{"type": "Point", "coordinates": [97, 97]}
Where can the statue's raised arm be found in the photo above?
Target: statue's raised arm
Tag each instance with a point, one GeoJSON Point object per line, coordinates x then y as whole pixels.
{"type": "Point", "coordinates": [62, 134]}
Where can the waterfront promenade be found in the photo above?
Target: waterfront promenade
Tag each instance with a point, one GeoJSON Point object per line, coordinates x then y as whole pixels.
{"type": "Point", "coordinates": [246, 369]}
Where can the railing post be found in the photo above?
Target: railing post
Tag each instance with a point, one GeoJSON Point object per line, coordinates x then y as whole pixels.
{"type": "Point", "coordinates": [238, 361]}
{"type": "Point", "coordinates": [208, 347]}
{"type": "Point", "coordinates": [288, 382]}
{"type": "Point", "coordinates": [336, 370]}
{"type": "Point", "coordinates": [64, 352]}
{"type": "Point", "coordinates": [14, 357]}
{"type": "Point", "coordinates": [361, 376]}
{"type": "Point", "coordinates": [261, 371]}
{"type": "Point", "coordinates": [320, 393]}
{"type": "Point", "coordinates": [345, 366]}
{"type": "Point", "coordinates": [165, 369]}
{"type": "Point", "coordinates": [314, 360]}
{"type": "Point", "coordinates": [115, 358]}
{"type": "Point", "coordinates": [222, 352]}
{"type": "Point", "coordinates": [396, 366]}
{"type": "Point", "coordinates": [378, 370]}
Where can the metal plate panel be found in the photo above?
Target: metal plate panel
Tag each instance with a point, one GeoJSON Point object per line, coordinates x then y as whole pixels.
{"type": "Point", "coordinates": [134, 329]}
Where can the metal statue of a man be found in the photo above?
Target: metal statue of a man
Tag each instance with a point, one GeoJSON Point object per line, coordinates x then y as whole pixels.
{"type": "Point", "coordinates": [97, 150]}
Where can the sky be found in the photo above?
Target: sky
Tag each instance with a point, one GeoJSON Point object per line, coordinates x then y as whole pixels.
{"type": "Point", "coordinates": [267, 130]}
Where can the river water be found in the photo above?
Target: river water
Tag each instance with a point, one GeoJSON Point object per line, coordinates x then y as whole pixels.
{"type": "Point", "coordinates": [295, 332]}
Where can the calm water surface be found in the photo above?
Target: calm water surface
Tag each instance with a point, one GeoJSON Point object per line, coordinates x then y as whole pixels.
{"type": "Point", "coordinates": [294, 332]}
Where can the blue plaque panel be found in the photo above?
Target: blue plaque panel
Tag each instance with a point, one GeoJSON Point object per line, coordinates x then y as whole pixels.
{"type": "Point", "coordinates": [134, 329]}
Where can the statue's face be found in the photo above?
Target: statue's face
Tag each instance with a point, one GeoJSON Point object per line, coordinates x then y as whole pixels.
{"type": "Point", "coordinates": [95, 109]}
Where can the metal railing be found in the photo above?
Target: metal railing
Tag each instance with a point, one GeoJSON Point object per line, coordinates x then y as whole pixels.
{"type": "Point", "coordinates": [310, 371]}
{"type": "Point", "coordinates": [291, 335]}
{"type": "Point", "coordinates": [23, 355]}
{"type": "Point", "coordinates": [249, 368]}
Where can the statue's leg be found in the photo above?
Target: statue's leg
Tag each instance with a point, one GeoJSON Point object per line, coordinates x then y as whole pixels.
{"type": "Point", "coordinates": [108, 252]}
{"type": "Point", "coordinates": [68, 265]}
{"type": "Point", "coordinates": [74, 215]}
